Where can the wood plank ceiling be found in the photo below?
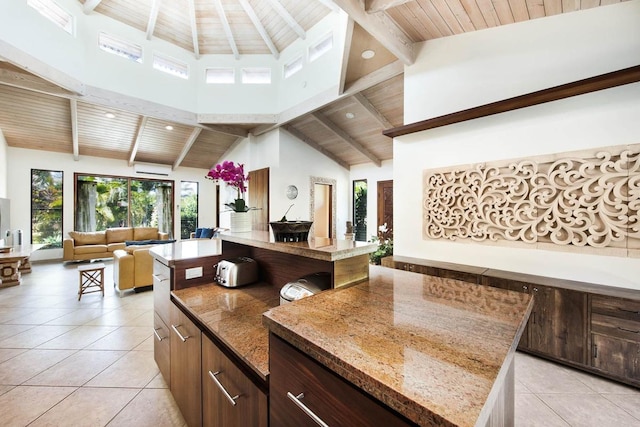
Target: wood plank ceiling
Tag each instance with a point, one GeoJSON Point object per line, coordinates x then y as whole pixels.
{"type": "Point", "coordinates": [35, 114]}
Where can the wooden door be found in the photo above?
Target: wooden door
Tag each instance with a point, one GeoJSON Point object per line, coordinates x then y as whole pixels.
{"type": "Point", "coordinates": [186, 386]}
{"type": "Point", "coordinates": [259, 198]}
{"type": "Point", "coordinates": [558, 323]}
{"type": "Point", "coordinates": [385, 205]}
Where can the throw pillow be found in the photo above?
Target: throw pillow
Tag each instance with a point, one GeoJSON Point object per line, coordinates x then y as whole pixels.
{"type": "Point", "coordinates": [148, 242]}
{"type": "Point", "coordinates": [198, 233]}
{"type": "Point", "coordinates": [207, 233]}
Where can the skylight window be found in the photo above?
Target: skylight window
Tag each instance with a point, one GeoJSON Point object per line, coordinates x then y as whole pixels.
{"type": "Point", "coordinates": [320, 48]}
{"type": "Point", "coordinates": [170, 66]}
{"type": "Point", "coordinates": [256, 75]}
{"type": "Point", "coordinates": [54, 13]}
{"type": "Point", "coordinates": [120, 47]}
{"type": "Point", "coordinates": [292, 67]}
{"type": "Point", "coordinates": [220, 76]}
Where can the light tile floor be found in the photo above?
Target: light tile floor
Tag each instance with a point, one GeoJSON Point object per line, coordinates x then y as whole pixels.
{"type": "Point", "coordinates": [65, 362]}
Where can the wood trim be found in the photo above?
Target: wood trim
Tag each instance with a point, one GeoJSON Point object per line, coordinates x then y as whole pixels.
{"type": "Point", "coordinates": [580, 87]}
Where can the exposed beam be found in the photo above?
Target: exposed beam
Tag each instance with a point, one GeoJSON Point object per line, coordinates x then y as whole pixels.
{"type": "Point", "coordinates": [380, 26]}
{"type": "Point", "coordinates": [373, 6]}
{"type": "Point", "coordinates": [237, 118]}
{"type": "Point", "coordinates": [332, 127]}
{"type": "Point", "coordinates": [35, 66]}
{"type": "Point", "coordinates": [24, 80]}
{"type": "Point", "coordinates": [345, 53]}
{"type": "Point", "coordinates": [313, 144]}
{"type": "Point", "coordinates": [227, 130]}
{"type": "Point", "coordinates": [227, 28]}
{"type": "Point", "coordinates": [90, 5]}
{"type": "Point", "coordinates": [136, 142]}
{"type": "Point", "coordinates": [233, 145]}
{"type": "Point", "coordinates": [74, 128]}
{"type": "Point", "coordinates": [259, 27]}
{"type": "Point", "coordinates": [331, 95]}
{"type": "Point", "coordinates": [286, 16]}
{"type": "Point", "coordinates": [187, 146]}
{"type": "Point", "coordinates": [153, 17]}
{"type": "Point", "coordinates": [380, 75]}
{"type": "Point", "coordinates": [579, 87]}
{"type": "Point", "coordinates": [373, 111]}
{"type": "Point", "coordinates": [194, 28]}
{"type": "Point", "coordinates": [330, 5]}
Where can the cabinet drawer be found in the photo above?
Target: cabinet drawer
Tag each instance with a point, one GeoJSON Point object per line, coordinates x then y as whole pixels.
{"type": "Point", "coordinates": [161, 290]}
{"type": "Point", "coordinates": [459, 275]}
{"type": "Point", "coordinates": [615, 327]}
{"type": "Point", "coordinates": [616, 307]}
{"type": "Point", "coordinates": [162, 348]}
{"type": "Point", "coordinates": [229, 398]}
{"type": "Point", "coordinates": [332, 399]}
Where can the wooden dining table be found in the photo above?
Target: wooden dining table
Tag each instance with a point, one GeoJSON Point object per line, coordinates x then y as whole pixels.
{"type": "Point", "coordinates": [14, 262]}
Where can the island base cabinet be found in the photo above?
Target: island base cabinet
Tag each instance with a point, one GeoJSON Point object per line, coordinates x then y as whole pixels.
{"type": "Point", "coordinates": [301, 389]}
{"type": "Point", "coordinates": [229, 398]}
{"type": "Point", "coordinates": [162, 348]}
{"type": "Point", "coordinates": [186, 365]}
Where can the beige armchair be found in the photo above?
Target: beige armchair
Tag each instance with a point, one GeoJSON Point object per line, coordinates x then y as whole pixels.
{"type": "Point", "coordinates": [132, 268]}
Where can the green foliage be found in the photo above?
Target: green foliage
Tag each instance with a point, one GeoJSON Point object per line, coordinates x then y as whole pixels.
{"type": "Point", "coordinates": [46, 208]}
{"type": "Point", "coordinates": [385, 245]}
{"type": "Point", "coordinates": [360, 211]}
{"type": "Point", "coordinates": [188, 215]}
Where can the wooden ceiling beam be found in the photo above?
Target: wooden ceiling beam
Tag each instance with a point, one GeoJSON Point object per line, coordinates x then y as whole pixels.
{"type": "Point", "coordinates": [227, 28]}
{"type": "Point", "coordinates": [345, 54]}
{"type": "Point", "coordinates": [374, 6]}
{"type": "Point", "coordinates": [136, 142]}
{"type": "Point", "coordinates": [187, 146]}
{"type": "Point", "coordinates": [345, 137]}
{"type": "Point", "coordinates": [90, 5]}
{"type": "Point", "coordinates": [313, 144]}
{"type": "Point", "coordinates": [194, 28]}
{"type": "Point", "coordinates": [259, 27]}
{"type": "Point", "coordinates": [153, 18]}
{"type": "Point", "coordinates": [74, 128]}
{"type": "Point", "coordinates": [382, 27]}
{"type": "Point", "coordinates": [373, 111]}
{"type": "Point", "coordinates": [30, 82]}
{"type": "Point", "coordinates": [330, 5]}
{"type": "Point", "coordinates": [286, 16]}
{"type": "Point", "coordinates": [380, 75]}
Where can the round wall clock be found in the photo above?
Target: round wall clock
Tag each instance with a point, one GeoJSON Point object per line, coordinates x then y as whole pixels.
{"type": "Point", "coordinates": [292, 192]}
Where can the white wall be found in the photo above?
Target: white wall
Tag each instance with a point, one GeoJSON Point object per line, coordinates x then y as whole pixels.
{"type": "Point", "coordinates": [372, 174]}
{"type": "Point", "coordinates": [3, 165]}
{"type": "Point", "coordinates": [463, 71]}
{"type": "Point", "coordinates": [23, 160]}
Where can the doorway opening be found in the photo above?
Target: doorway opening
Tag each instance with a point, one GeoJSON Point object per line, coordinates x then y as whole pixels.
{"type": "Point", "coordinates": [323, 207]}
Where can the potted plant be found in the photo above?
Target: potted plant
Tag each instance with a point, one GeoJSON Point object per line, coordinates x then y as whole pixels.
{"type": "Point", "coordinates": [385, 244]}
{"type": "Point", "coordinates": [233, 175]}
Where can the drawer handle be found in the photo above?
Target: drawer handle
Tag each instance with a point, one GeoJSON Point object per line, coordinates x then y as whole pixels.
{"type": "Point", "coordinates": [305, 409]}
{"type": "Point", "coordinates": [231, 400]}
{"type": "Point", "coordinates": [158, 337]}
{"type": "Point", "coordinates": [160, 278]}
{"type": "Point", "coordinates": [628, 330]}
{"type": "Point", "coordinates": [182, 338]}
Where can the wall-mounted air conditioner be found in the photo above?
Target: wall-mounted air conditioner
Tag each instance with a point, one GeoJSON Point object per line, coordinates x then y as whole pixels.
{"type": "Point", "coordinates": [143, 168]}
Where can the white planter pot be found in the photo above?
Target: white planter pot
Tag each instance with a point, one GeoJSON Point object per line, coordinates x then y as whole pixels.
{"type": "Point", "coordinates": [240, 222]}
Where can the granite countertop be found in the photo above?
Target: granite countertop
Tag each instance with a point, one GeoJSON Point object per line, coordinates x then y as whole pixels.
{"type": "Point", "coordinates": [431, 348]}
{"type": "Point", "coordinates": [187, 249]}
{"type": "Point", "coordinates": [323, 249]}
{"type": "Point", "coordinates": [234, 316]}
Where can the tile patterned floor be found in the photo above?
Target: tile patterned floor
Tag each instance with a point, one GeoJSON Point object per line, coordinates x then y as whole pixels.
{"type": "Point", "coordinates": [65, 362]}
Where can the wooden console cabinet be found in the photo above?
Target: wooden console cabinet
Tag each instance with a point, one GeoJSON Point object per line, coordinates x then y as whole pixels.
{"type": "Point", "coordinates": [586, 326]}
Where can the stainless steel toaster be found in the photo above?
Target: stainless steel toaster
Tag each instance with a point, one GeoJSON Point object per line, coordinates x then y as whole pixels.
{"type": "Point", "coordinates": [236, 272]}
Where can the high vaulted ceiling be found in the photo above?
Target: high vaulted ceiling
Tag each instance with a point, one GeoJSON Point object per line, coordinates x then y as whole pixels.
{"type": "Point", "coordinates": [348, 128]}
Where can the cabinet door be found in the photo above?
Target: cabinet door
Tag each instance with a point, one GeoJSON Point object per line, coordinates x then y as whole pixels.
{"type": "Point", "coordinates": [300, 388]}
{"type": "Point", "coordinates": [557, 326]}
{"type": "Point", "coordinates": [162, 348]}
{"type": "Point", "coordinates": [162, 290]}
{"type": "Point", "coordinates": [229, 398]}
{"type": "Point", "coordinates": [185, 366]}
{"type": "Point", "coordinates": [617, 357]}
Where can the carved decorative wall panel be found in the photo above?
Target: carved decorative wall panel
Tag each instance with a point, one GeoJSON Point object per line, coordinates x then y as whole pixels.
{"type": "Point", "coordinates": [588, 200]}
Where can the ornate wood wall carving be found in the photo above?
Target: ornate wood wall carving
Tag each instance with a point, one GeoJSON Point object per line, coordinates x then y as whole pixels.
{"type": "Point", "coordinates": [588, 201]}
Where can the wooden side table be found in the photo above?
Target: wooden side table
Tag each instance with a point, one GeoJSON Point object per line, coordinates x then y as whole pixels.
{"type": "Point", "coordinates": [91, 276]}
